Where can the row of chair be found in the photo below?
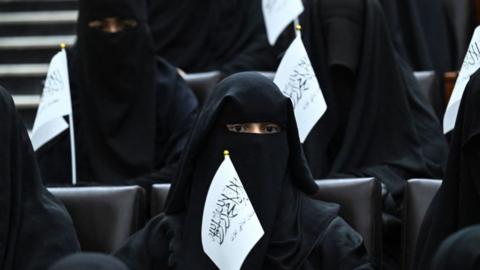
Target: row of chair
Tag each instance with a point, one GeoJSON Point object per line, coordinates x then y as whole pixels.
{"type": "Point", "coordinates": [203, 84]}
{"type": "Point", "coordinates": [104, 217]}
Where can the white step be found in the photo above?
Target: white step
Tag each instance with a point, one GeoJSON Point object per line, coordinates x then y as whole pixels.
{"type": "Point", "coordinates": [35, 42]}
{"type": "Point", "coordinates": [26, 101]}
{"type": "Point", "coordinates": [23, 70]}
{"type": "Point", "coordinates": [38, 17]}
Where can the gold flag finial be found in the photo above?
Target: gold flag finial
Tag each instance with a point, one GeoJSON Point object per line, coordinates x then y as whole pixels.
{"type": "Point", "coordinates": [298, 27]}
{"type": "Point", "coordinates": [63, 45]}
{"type": "Point", "coordinates": [226, 153]}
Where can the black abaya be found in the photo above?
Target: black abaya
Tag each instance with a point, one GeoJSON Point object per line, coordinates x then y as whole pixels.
{"type": "Point", "coordinates": [377, 123]}
{"type": "Point", "coordinates": [300, 232]}
{"type": "Point", "coordinates": [455, 206]}
{"type": "Point", "coordinates": [35, 228]}
{"type": "Point", "coordinates": [204, 35]}
{"type": "Point", "coordinates": [459, 251]}
{"type": "Point", "coordinates": [132, 111]}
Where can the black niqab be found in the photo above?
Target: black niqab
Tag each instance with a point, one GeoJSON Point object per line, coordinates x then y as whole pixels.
{"type": "Point", "coordinates": [265, 164]}
{"type": "Point", "coordinates": [35, 228]}
{"type": "Point", "coordinates": [377, 123]}
{"type": "Point", "coordinates": [455, 206]}
{"type": "Point", "coordinates": [276, 178]}
{"type": "Point", "coordinates": [205, 35]}
{"type": "Point", "coordinates": [131, 110]}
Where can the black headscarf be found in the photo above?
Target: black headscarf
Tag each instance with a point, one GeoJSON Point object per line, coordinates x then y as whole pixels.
{"type": "Point", "coordinates": [89, 261]}
{"type": "Point", "coordinates": [131, 110]}
{"type": "Point", "coordinates": [300, 233]}
{"type": "Point", "coordinates": [459, 251]}
{"type": "Point", "coordinates": [272, 164]}
{"type": "Point", "coordinates": [35, 228]}
{"type": "Point", "coordinates": [405, 24]}
{"type": "Point", "coordinates": [207, 35]}
{"type": "Point", "coordinates": [455, 204]}
{"type": "Point", "coordinates": [377, 123]}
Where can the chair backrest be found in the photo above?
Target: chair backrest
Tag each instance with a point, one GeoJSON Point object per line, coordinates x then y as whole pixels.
{"type": "Point", "coordinates": [428, 84]}
{"type": "Point", "coordinates": [418, 196]}
{"type": "Point", "coordinates": [203, 83]}
{"type": "Point", "coordinates": [360, 200]}
{"type": "Point", "coordinates": [159, 198]}
{"type": "Point", "coordinates": [361, 206]}
{"type": "Point", "coordinates": [104, 217]}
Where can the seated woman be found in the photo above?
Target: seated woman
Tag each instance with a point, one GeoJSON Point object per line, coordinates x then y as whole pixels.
{"type": "Point", "coordinates": [455, 206]}
{"type": "Point", "coordinates": [35, 228]}
{"type": "Point", "coordinates": [132, 110]}
{"type": "Point", "coordinates": [250, 117]}
{"type": "Point", "coordinates": [199, 36]}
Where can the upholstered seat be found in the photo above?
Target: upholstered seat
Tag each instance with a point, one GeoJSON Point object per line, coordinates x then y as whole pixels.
{"type": "Point", "coordinates": [360, 201]}
{"type": "Point", "coordinates": [418, 196]}
{"type": "Point", "coordinates": [203, 83]}
{"type": "Point", "coordinates": [104, 217]}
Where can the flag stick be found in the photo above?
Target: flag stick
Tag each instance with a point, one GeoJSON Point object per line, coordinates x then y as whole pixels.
{"type": "Point", "coordinates": [297, 27]}
{"type": "Point", "coordinates": [72, 139]}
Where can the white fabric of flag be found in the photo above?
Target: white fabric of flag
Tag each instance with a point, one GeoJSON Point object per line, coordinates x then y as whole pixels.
{"type": "Point", "coordinates": [278, 14]}
{"type": "Point", "coordinates": [55, 103]}
{"type": "Point", "coordinates": [296, 79]}
{"type": "Point", "coordinates": [230, 226]}
{"type": "Point", "coordinates": [471, 63]}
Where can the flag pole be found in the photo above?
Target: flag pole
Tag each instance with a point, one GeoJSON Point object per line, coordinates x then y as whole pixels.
{"type": "Point", "coordinates": [297, 27]}
{"type": "Point", "coordinates": [72, 138]}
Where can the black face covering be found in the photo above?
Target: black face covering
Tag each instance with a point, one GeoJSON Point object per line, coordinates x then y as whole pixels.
{"type": "Point", "coordinates": [455, 206]}
{"type": "Point", "coordinates": [35, 228]}
{"type": "Point", "coordinates": [377, 123]}
{"type": "Point", "coordinates": [116, 77]}
{"type": "Point", "coordinates": [269, 165]}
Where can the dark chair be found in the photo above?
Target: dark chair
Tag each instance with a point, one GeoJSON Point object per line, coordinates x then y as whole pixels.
{"type": "Point", "coordinates": [203, 83]}
{"type": "Point", "coordinates": [428, 84]}
{"type": "Point", "coordinates": [159, 198]}
{"type": "Point", "coordinates": [361, 207]}
{"type": "Point", "coordinates": [104, 217]}
{"type": "Point", "coordinates": [418, 195]}
{"type": "Point", "coordinates": [360, 200]}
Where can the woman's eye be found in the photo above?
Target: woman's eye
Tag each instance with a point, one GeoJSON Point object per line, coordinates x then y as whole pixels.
{"type": "Point", "coordinates": [95, 24]}
{"type": "Point", "coordinates": [130, 23]}
{"type": "Point", "coordinates": [239, 128]}
{"type": "Point", "coordinates": [271, 128]}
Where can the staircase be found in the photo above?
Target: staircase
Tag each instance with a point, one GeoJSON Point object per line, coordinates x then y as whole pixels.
{"type": "Point", "coordinates": [30, 34]}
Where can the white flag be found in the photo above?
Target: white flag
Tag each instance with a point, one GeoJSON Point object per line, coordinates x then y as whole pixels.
{"type": "Point", "coordinates": [55, 103]}
{"type": "Point", "coordinates": [230, 226]}
{"type": "Point", "coordinates": [471, 63]}
{"type": "Point", "coordinates": [296, 79]}
{"type": "Point", "coordinates": [278, 14]}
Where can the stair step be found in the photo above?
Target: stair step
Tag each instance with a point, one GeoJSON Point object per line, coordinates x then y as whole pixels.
{"type": "Point", "coordinates": [38, 17]}
{"type": "Point", "coordinates": [26, 101]}
{"type": "Point", "coordinates": [23, 70]}
{"type": "Point", "coordinates": [63, 29]}
{"type": "Point", "coordinates": [35, 42]}
{"type": "Point", "coordinates": [32, 5]}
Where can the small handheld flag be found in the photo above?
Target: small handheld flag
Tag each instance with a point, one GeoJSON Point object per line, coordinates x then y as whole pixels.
{"type": "Point", "coordinates": [55, 103]}
{"type": "Point", "coordinates": [471, 64]}
{"type": "Point", "coordinates": [296, 79]}
{"type": "Point", "coordinates": [230, 226]}
{"type": "Point", "coordinates": [278, 14]}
